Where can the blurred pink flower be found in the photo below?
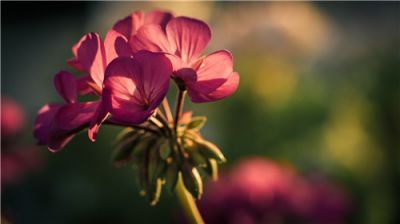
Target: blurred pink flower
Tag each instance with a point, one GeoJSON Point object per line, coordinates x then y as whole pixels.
{"type": "Point", "coordinates": [12, 117]}
{"type": "Point", "coordinates": [262, 191]}
{"type": "Point", "coordinates": [206, 79]}
{"type": "Point", "coordinates": [17, 157]}
{"type": "Point", "coordinates": [17, 162]}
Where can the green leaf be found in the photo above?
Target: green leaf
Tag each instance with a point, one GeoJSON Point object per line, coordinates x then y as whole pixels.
{"type": "Point", "coordinates": [197, 123]}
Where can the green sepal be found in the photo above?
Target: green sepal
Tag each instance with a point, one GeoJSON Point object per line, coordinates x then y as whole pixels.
{"type": "Point", "coordinates": [197, 123]}
{"type": "Point", "coordinates": [212, 169]}
{"type": "Point", "coordinates": [172, 176]}
{"type": "Point", "coordinates": [155, 191]}
{"type": "Point", "coordinates": [192, 180]}
{"type": "Point", "coordinates": [210, 151]}
{"type": "Point", "coordinates": [122, 152]}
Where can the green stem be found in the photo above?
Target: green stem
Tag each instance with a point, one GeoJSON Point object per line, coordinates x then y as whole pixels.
{"type": "Point", "coordinates": [179, 107]}
{"type": "Point", "coordinates": [187, 203]}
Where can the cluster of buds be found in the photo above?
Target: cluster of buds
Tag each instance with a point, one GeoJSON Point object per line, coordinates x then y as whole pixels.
{"type": "Point", "coordinates": [163, 155]}
{"type": "Point", "coordinates": [129, 74]}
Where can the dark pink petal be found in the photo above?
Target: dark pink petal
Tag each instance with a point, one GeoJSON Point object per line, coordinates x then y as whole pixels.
{"type": "Point", "coordinates": [44, 122]}
{"type": "Point", "coordinates": [129, 25]}
{"type": "Point", "coordinates": [91, 55]}
{"type": "Point", "coordinates": [158, 17]}
{"type": "Point", "coordinates": [134, 87]}
{"type": "Point", "coordinates": [188, 36]}
{"type": "Point", "coordinates": [83, 85]}
{"type": "Point", "coordinates": [74, 63]}
{"type": "Point", "coordinates": [69, 120]}
{"type": "Point", "coordinates": [152, 38]}
{"type": "Point", "coordinates": [116, 45]}
{"type": "Point", "coordinates": [66, 87]}
{"type": "Point", "coordinates": [73, 116]}
{"type": "Point", "coordinates": [99, 117]}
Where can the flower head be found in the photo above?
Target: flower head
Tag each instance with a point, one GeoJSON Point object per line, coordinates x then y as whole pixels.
{"type": "Point", "coordinates": [134, 87]}
{"type": "Point", "coordinates": [207, 78]}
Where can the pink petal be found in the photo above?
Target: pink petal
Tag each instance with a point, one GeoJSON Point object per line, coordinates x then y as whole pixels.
{"type": "Point", "coordinates": [188, 36]}
{"type": "Point", "coordinates": [213, 78]}
{"type": "Point", "coordinates": [152, 38]}
{"type": "Point", "coordinates": [65, 84]}
{"type": "Point", "coordinates": [74, 63]}
{"type": "Point", "coordinates": [91, 55]}
{"type": "Point", "coordinates": [215, 66]}
{"type": "Point", "coordinates": [83, 86]}
{"type": "Point", "coordinates": [134, 87]}
{"type": "Point", "coordinates": [74, 116]}
{"type": "Point", "coordinates": [44, 122]}
{"type": "Point", "coordinates": [158, 17]}
{"type": "Point", "coordinates": [116, 45]}
{"type": "Point", "coordinates": [226, 89]}
{"type": "Point", "coordinates": [69, 120]}
{"type": "Point", "coordinates": [99, 117]}
{"type": "Point", "coordinates": [129, 25]}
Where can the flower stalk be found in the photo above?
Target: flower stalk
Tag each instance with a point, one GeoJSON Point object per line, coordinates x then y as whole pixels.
{"type": "Point", "coordinates": [179, 107]}
{"type": "Point", "coordinates": [187, 202]}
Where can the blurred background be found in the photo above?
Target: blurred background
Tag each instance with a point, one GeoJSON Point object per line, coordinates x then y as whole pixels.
{"type": "Point", "coordinates": [319, 96]}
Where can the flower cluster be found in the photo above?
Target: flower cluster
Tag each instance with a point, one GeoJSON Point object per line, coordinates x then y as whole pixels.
{"type": "Point", "coordinates": [130, 73]}
{"type": "Point", "coordinates": [258, 190]}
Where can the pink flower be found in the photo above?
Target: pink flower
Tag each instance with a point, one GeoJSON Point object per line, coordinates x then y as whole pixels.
{"type": "Point", "coordinates": [12, 117]}
{"type": "Point", "coordinates": [57, 124]}
{"type": "Point", "coordinates": [206, 79]}
{"type": "Point", "coordinates": [134, 87]}
{"type": "Point", "coordinates": [262, 191]}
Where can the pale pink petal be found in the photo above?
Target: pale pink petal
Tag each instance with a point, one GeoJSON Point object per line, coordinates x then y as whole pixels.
{"type": "Point", "coordinates": [211, 79]}
{"type": "Point", "coordinates": [116, 45]}
{"type": "Point", "coordinates": [151, 37]}
{"type": "Point", "coordinates": [44, 121]}
{"type": "Point", "coordinates": [66, 87]}
{"type": "Point", "coordinates": [227, 88]}
{"type": "Point", "coordinates": [91, 55]}
{"type": "Point", "coordinates": [158, 17]}
{"type": "Point", "coordinates": [134, 87]}
{"type": "Point", "coordinates": [188, 36]}
{"type": "Point", "coordinates": [99, 117]}
{"type": "Point", "coordinates": [215, 66]}
{"type": "Point", "coordinates": [129, 25]}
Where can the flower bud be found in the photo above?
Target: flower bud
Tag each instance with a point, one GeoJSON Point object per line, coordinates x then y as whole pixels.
{"type": "Point", "coordinates": [192, 180]}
